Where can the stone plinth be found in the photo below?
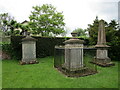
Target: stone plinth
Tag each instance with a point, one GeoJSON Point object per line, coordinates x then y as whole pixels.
{"type": "Point", "coordinates": [73, 54]}
{"type": "Point", "coordinates": [102, 58]}
{"type": "Point", "coordinates": [28, 50]}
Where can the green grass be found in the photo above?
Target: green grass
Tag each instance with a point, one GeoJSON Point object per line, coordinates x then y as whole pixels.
{"type": "Point", "coordinates": [0, 74]}
{"type": "Point", "coordinates": [44, 75]}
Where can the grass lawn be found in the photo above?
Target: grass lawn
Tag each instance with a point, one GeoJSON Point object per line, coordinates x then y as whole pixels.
{"type": "Point", "coordinates": [44, 75]}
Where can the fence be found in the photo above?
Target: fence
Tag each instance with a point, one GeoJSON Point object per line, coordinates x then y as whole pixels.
{"type": "Point", "coordinates": [73, 67]}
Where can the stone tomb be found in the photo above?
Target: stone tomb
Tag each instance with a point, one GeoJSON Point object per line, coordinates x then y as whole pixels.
{"type": "Point", "coordinates": [69, 59]}
{"type": "Point", "coordinates": [28, 50]}
{"type": "Point", "coordinates": [73, 54]}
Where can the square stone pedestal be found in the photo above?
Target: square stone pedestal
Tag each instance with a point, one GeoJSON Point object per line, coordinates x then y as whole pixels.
{"type": "Point", "coordinates": [102, 58]}
{"type": "Point", "coordinates": [106, 62]}
{"type": "Point", "coordinates": [73, 58]}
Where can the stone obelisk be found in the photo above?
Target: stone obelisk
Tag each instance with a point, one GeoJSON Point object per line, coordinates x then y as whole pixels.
{"type": "Point", "coordinates": [102, 58]}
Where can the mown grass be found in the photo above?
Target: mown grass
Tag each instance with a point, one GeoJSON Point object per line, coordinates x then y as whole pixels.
{"type": "Point", "coordinates": [0, 74]}
{"type": "Point", "coordinates": [44, 75]}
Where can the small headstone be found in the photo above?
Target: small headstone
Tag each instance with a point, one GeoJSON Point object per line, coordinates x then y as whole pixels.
{"type": "Point", "coordinates": [28, 50]}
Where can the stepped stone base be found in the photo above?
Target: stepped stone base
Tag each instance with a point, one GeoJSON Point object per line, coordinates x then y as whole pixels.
{"type": "Point", "coordinates": [103, 62]}
{"type": "Point", "coordinates": [29, 62]}
{"type": "Point", "coordinates": [79, 73]}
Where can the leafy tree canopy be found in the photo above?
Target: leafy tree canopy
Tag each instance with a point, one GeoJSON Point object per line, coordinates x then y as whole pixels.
{"type": "Point", "coordinates": [112, 36]}
{"type": "Point", "coordinates": [7, 23]}
{"type": "Point", "coordinates": [82, 33]}
{"type": "Point", "coordinates": [93, 30]}
{"type": "Point", "coordinates": [45, 19]}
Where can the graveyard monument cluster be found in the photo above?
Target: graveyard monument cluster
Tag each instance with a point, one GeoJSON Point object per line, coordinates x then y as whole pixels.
{"type": "Point", "coordinates": [71, 55]}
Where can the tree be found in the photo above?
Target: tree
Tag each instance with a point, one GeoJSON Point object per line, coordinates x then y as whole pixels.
{"type": "Point", "coordinates": [112, 37]}
{"type": "Point", "coordinates": [93, 31]}
{"type": "Point", "coordinates": [111, 31]}
{"type": "Point", "coordinates": [45, 19]}
{"type": "Point", "coordinates": [81, 32]}
{"type": "Point", "coordinates": [7, 23]}
{"type": "Point", "coordinates": [4, 19]}
{"type": "Point", "coordinates": [25, 28]}
{"type": "Point", "coordinates": [65, 32]}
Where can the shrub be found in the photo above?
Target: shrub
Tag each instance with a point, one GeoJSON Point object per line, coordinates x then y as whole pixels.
{"type": "Point", "coordinates": [44, 45]}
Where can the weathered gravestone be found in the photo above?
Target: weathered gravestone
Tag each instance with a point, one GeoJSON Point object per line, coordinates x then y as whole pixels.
{"type": "Point", "coordinates": [28, 50]}
{"type": "Point", "coordinates": [102, 58]}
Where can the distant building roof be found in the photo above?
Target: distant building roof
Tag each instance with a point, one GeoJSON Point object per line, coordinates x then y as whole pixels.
{"type": "Point", "coordinates": [24, 22]}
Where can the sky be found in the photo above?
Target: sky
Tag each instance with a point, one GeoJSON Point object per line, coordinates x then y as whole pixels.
{"type": "Point", "coordinates": [77, 13]}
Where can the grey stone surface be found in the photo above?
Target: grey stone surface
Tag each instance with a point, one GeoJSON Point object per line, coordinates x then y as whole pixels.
{"type": "Point", "coordinates": [28, 50]}
{"type": "Point", "coordinates": [102, 53]}
{"type": "Point", "coordinates": [73, 54]}
{"type": "Point", "coordinates": [102, 49]}
{"type": "Point", "coordinates": [101, 34]}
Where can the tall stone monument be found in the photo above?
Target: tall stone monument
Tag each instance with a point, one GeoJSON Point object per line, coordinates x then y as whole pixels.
{"type": "Point", "coordinates": [102, 58]}
{"type": "Point", "coordinates": [28, 50]}
{"type": "Point", "coordinates": [73, 53]}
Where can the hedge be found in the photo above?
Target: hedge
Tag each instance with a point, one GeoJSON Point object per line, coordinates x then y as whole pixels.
{"type": "Point", "coordinates": [44, 45]}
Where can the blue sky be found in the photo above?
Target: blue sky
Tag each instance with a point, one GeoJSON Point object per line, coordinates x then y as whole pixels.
{"type": "Point", "coordinates": [77, 13]}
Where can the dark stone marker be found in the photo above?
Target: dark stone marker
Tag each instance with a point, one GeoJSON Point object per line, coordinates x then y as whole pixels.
{"type": "Point", "coordinates": [102, 58]}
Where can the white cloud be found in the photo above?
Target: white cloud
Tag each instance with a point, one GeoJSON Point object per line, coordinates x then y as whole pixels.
{"type": "Point", "coordinates": [77, 13]}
